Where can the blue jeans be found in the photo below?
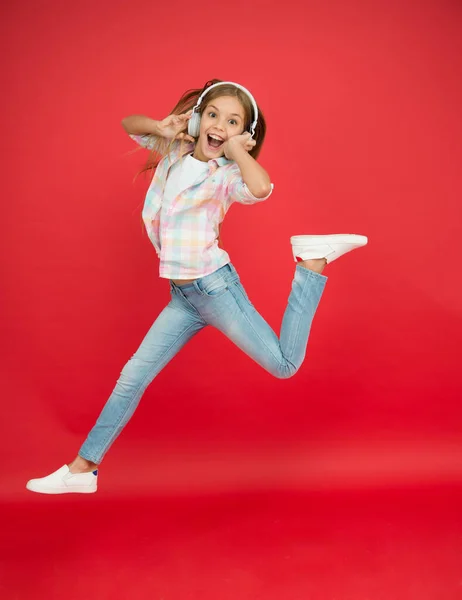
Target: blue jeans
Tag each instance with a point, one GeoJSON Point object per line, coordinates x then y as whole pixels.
{"type": "Point", "coordinates": [218, 299]}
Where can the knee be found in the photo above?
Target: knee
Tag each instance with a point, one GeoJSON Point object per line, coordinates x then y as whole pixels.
{"type": "Point", "coordinates": [132, 374]}
{"type": "Point", "coordinates": [285, 371]}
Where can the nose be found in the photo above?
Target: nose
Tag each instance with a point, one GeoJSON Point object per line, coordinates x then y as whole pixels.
{"type": "Point", "coordinates": [221, 124]}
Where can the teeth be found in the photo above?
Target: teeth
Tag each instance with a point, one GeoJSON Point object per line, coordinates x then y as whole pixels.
{"type": "Point", "coordinates": [215, 137]}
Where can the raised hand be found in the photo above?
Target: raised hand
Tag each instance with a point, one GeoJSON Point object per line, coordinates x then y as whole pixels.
{"type": "Point", "coordinates": [236, 143]}
{"type": "Point", "coordinates": [174, 126]}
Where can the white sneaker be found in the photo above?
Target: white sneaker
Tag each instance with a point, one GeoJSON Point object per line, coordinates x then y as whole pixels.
{"type": "Point", "coordinates": [329, 247]}
{"type": "Point", "coordinates": [63, 481]}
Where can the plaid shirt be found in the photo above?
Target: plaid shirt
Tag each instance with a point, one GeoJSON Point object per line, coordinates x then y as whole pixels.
{"type": "Point", "coordinates": [186, 239]}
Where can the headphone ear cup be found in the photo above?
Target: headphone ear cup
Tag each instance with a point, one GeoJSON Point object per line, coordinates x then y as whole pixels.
{"type": "Point", "coordinates": [194, 124]}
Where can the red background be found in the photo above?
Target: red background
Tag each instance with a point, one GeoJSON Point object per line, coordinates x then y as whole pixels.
{"type": "Point", "coordinates": [362, 101]}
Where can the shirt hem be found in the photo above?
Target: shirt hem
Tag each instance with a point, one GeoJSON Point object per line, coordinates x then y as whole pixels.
{"type": "Point", "coordinates": [163, 276]}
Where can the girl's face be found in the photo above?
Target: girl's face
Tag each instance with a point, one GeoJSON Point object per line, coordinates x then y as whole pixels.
{"type": "Point", "coordinates": [222, 118]}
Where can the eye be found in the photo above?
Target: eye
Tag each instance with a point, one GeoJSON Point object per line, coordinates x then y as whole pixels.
{"type": "Point", "coordinates": [233, 121]}
{"type": "Point", "coordinates": [212, 114]}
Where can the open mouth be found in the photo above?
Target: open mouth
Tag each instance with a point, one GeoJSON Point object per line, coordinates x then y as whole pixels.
{"type": "Point", "coordinates": [214, 141]}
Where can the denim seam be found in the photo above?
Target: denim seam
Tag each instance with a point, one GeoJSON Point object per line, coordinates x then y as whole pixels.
{"type": "Point", "coordinates": [183, 311]}
{"type": "Point", "coordinates": [318, 276]}
{"type": "Point", "coordinates": [203, 293]}
{"type": "Point", "coordinates": [110, 438]}
{"type": "Point", "coordinates": [320, 280]}
{"type": "Point", "coordinates": [294, 337]}
{"type": "Point", "coordinates": [196, 312]}
{"type": "Point", "coordinates": [258, 335]}
{"type": "Point", "coordinates": [223, 279]}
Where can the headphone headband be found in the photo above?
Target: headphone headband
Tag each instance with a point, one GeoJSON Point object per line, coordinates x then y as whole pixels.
{"type": "Point", "coordinates": [251, 98]}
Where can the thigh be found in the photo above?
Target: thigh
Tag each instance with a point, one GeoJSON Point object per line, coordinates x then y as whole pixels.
{"type": "Point", "coordinates": [235, 316]}
{"type": "Point", "coordinates": [171, 330]}
{"type": "Point", "coordinates": [233, 313]}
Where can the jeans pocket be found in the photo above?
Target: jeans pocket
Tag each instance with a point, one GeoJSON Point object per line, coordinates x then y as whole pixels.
{"type": "Point", "coordinates": [215, 289]}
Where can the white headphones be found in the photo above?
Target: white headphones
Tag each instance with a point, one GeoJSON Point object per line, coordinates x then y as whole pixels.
{"type": "Point", "coordinates": [195, 120]}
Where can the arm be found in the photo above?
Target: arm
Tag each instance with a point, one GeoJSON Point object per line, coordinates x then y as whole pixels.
{"type": "Point", "coordinates": [170, 127]}
{"type": "Point", "coordinates": [254, 175]}
{"type": "Point", "coordinates": [140, 125]}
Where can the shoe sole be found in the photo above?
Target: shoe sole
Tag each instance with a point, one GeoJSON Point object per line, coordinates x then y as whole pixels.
{"type": "Point", "coordinates": [76, 489]}
{"type": "Point", "coordinates": [337, 238]}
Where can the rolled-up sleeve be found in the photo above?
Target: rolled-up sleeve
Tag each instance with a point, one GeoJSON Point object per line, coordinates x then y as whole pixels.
{"type": "Point", "coordinates": [146, 141]}
{"type": "Point", "coordinates": [238, 190]}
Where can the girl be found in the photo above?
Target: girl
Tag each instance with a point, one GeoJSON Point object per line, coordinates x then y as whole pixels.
{"type": "Point", "coordinates": [205, 153]}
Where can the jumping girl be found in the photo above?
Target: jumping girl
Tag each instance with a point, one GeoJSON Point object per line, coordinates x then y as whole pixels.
{"type": "Point", "coordinates": [204, 159]}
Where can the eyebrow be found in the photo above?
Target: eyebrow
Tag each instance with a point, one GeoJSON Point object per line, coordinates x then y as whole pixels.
{"type": "Point", "coordinates": [231, 115]}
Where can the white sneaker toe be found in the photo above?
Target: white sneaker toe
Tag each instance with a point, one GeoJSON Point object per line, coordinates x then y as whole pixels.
{"type": "Point", "coordinates": [63, 481]}
{"type": "Point", "coordinates": [329, 247]}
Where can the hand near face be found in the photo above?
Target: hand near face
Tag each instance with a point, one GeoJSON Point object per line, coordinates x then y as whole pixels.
{"type": "Point", "coordinates": [236, 143]}
{"type": "Point", "coordinates": [174, 126]}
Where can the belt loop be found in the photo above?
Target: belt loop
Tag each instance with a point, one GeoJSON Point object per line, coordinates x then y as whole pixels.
{"type": "Point", "coordinates": [197, 286]}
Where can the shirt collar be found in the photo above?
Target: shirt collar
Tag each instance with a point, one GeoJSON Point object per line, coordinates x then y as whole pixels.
{"type": "Point", "coordinates": [220, 161]}
{"type": "Point", "coordinates": [214, 162]}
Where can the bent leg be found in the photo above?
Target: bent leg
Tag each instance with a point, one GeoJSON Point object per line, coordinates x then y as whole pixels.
{"type": "Point", "coordinates": [172, 329]}
{"type": "Point", "coordinates": [242, 324]}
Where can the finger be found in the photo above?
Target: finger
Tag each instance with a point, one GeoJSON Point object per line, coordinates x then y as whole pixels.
{"type": "Point", "coordinates": [184, 136]}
